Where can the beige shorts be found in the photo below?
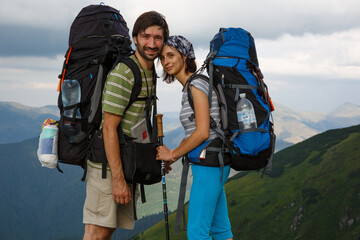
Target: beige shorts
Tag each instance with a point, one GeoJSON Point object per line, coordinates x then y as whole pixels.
{"type": "Point", "coordinates": [99, 208]}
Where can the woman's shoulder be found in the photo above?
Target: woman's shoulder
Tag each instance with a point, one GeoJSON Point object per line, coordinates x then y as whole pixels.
{"type": "Point", "coordinates": [200, 84]}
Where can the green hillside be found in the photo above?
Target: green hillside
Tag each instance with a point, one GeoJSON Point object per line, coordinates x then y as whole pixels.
{"type": "Point", "coordinates": [313, 193]}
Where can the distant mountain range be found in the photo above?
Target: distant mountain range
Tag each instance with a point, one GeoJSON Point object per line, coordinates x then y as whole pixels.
{"type": "Point", "coordinates": [19, 122]}
{"type": "Point", "coordinates": [313, 193]}
{"type": "Point", "coordinates": [293, 126]}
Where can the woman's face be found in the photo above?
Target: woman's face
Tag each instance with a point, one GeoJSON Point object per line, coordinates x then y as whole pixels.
{"type": "Point", "coordinates": [172, 60]}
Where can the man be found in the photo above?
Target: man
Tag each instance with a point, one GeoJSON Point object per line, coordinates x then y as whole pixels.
{"type": "Point", "coordinates": [108, 202]}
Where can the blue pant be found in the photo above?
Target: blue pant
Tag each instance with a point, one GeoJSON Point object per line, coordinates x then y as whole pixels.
{"type": "Point", "coordinates": [207, 205]}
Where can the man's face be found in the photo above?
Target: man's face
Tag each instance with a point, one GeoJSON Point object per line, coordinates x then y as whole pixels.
{"type": "Point", "coordinates": [149, 42]}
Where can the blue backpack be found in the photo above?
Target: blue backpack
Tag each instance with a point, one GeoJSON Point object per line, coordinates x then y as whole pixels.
{"type": "Point", "coordinates": [233, 69]}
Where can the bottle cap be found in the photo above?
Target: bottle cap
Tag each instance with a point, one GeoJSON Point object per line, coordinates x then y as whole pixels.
{"type": "Point", "coordinates": [243, 95]}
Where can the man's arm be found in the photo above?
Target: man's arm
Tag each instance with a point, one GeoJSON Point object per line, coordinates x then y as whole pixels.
{"type": "Point", "coordinates": [121, 191]}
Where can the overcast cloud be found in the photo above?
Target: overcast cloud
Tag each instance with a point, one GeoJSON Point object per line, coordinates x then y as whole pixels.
{"type": "Point", "coordinates": [308, 50]}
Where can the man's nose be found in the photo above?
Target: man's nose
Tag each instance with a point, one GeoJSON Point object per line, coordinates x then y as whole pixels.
{"type": "Point", "coordinates": [151, 43]}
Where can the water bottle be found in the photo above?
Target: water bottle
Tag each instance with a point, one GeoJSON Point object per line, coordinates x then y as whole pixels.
{"type": "Point", "coordinates": [245, 113]}
{"type": "Point", "coordinates": [71, 94]}
{"type": "Point", "coordinates": [48, 146]}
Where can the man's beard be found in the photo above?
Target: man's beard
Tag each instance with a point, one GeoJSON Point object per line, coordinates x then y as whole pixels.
{"type": "Point", "coordinates": [141, 51]}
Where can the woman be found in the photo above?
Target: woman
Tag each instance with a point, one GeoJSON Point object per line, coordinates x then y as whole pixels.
{"type": "Point", "coordinates": [207, 206]}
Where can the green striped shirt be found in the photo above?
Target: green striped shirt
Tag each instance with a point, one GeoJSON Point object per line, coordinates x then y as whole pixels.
{"type": "Point", "coordinates": [117, 91]}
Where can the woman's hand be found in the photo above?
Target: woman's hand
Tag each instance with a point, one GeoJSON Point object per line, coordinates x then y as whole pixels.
{"type": "Point", "coordinates": [163, 153]}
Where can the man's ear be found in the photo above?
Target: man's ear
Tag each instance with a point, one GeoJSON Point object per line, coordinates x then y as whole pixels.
{"type": "Point", "coordinates": [135, 40]}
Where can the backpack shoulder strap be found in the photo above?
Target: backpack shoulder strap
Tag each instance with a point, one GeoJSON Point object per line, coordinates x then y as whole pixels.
{"type": "Point", "coordinates": [213, 125]}
{"type": "Point", "coordinates": [137, 80]}
{"type": "Point", "coordinates": [190, 79]}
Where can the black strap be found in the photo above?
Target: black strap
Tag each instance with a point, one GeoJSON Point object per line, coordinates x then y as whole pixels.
{"type": "Point", "coordinates": [137, 80]}
{"type": "Point", "coordinates": [180, 213]}
{"type": "Point", "coordinates": [134, 200]}
{"type": "Point", "coordinates": [58, 168]}
{"type": "Point", "coordinates": [188, 82]}
{"type": "Point", "coordinates": [143, 199]}
{"type": "Point", "coordinates": [85, 172]}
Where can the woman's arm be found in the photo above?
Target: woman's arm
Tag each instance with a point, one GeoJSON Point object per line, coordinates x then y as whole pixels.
{"type": "Point", "coordinates": [200, 134]}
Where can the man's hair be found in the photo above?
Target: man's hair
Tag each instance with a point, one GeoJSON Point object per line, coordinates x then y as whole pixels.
{"type": "Point", "coordinates": [149, 19]}
{"type": "Point", "coordinates": [190, 68]}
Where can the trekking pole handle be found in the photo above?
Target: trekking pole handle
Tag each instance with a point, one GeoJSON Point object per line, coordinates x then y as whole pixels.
{"type": "Point", "coordinates": [159, 126]}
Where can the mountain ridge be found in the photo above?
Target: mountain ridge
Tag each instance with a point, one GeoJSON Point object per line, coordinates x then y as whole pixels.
{"type": "Point", "coordinates": [20, 122]}
{"type": "Point", "coordinates": [314, 194]}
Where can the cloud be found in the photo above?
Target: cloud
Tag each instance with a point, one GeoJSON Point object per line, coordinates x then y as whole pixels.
{"type": "Point", "coordinates": [308, 50]}
{"type": "Point", "coordinates": [330, 56]}
{"type": "Point", "coordinates": [31, 41]}
{"type": "Point", "coordinates": [40, 27]}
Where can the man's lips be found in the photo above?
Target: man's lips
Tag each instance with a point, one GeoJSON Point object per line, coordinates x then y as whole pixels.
{"type": "Point", "coordinates": [152, 51]}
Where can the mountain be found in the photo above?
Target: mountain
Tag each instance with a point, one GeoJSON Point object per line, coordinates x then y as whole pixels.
{"type": "Point", "coordinates": [313, 193]}
{"type": "Point", "coordinates": [292, 126]}
{"type": "Point", "coordinates": [41, 202]}
{"type": "Point", "coordinates": [19, 122]}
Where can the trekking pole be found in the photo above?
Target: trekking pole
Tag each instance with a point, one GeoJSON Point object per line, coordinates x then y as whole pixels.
{"type": "Point", "coordinates": [160, 136]}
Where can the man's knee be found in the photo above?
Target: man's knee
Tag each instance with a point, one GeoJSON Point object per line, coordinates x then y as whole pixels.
{"type": "Point", "coordinates": [94, 232]}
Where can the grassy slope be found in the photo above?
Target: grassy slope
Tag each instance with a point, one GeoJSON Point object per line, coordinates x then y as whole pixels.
{"type": "Point", "coordinates": [314, 193]}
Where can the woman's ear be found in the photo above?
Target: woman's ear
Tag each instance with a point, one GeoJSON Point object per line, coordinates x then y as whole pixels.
{"type": "Point", "coordinates": [184, 57]}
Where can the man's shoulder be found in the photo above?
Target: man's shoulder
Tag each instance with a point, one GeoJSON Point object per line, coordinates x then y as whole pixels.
{"type": "Point", "coordinates": [124, 69]}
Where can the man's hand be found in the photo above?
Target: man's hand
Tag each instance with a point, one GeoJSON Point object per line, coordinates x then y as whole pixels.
{"type": "Point", "coordinates": [121, 192]}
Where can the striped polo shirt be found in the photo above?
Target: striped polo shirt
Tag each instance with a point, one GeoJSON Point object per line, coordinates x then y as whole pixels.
{"type": "Point", "coordinates": [186, 110]}
{"type": "Point", "coordinates": [117, 91]}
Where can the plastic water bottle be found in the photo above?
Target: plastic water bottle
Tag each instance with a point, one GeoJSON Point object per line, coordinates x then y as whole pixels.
{"type": "Point", "coordinates": [71, 94]}
{"type": "Point", "coordinates": [48, 146]}
{"type": "Point", "coordinates": [245, 113]}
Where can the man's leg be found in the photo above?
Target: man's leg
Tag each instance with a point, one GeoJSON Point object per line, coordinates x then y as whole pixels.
{"type": "Point", "coordinates": [100, 210]}
{"type": "Point", "coordinates": [94, 232]}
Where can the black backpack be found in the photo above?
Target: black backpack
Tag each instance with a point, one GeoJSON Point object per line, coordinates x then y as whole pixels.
{"type": "Point", "coordinates": [98, 40]}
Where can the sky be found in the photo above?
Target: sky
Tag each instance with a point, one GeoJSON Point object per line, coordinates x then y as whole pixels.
{"type": "Point", "coordinates": [308, 50]}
